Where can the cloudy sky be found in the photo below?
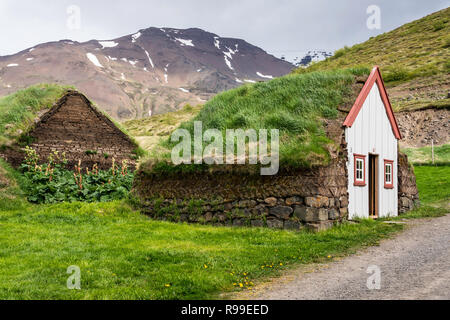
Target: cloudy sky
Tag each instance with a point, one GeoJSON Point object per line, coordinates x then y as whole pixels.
{"type": "Point", "coordinates": [278, 26]}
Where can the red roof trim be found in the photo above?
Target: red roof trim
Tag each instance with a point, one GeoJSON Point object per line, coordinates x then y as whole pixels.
{"type": "Point", "coordinates": [375, 77]}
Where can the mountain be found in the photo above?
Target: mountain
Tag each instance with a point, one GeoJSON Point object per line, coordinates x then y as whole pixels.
{"type": "Point", "coordinates": [153, 71]}
{"type": "Point", "coordinates": [414, 60]}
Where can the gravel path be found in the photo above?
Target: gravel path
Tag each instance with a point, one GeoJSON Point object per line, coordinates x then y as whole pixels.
{"type": "Point", "coordinates": [413, 265]}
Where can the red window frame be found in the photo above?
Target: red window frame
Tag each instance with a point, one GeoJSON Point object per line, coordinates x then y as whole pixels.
{"type": "Point", "coordinates": [356, 182]}
{"type": "Point", "coordinates": [391, 184]}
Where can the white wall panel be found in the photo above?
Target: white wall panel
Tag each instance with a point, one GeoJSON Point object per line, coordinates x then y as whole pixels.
{"type": "Point", "coordinates": [372, 133]}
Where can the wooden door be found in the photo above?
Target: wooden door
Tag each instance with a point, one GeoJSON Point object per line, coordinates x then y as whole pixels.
{"type": "Point", "coordinates": [373, 186]}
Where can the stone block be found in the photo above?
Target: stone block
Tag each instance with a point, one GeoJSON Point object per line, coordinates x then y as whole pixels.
{"type": "Point", "coordinates": [281, 212]}
{"type": "Point", "coordinates": [271, 201]}
{"type": "Point", "coordinates": [307, 214]}
{"type": "Point", "coordinates": [294, 200]}
{"type": "Point", "coordinates": [343, 201]}
{"type": "Point", "coordinates": [275, 223]}
{"type": "Point", "coordinates": [319, 226]}
{"type": "Point", "coordinates": [317, 202]}
{"type": "Point", "coordinates": [333, 214]}
{"type": "Point", "coordinates": [322, 214]}
{"type": "Point", "coordinates": [257, 223]}
{"type": "Point", "coordinates": [292, 225]}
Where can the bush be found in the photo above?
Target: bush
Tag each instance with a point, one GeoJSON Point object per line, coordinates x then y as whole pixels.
{"type": "Point", "coordinates": [51, 182]}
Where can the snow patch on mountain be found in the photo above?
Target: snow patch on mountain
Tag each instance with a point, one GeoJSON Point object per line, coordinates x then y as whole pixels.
{"type": "Point", "coordinates": [184, 90]}
{"type": "Point", "coordinates": [94, 60]}
{"type": "Point", "coordinates": [185, 42]}
{"type": "Point", "coordinates": [135, 36]}
{"type": "Point", "coordinates": [264, 76]}
{"type": "Point", "coordinates": [149, 59]}
{"type": "Point", "coordinates": [12, 65]}
{"type": "Point", "coordinates": [133, 63]}
{"type": "Point", "coordinates": [229, 55]}
{"type": "Point", "coordinates": [108, 44]}
{"type": "Point", "coordinates": [217, 42]}
{"type": "Point", "coordinates": [29, 59]}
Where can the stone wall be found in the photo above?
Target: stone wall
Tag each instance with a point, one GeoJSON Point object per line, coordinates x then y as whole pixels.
{"type": "Point", "coordinates": [83, 133]}
{"type": "Point", "coordinates": [313, 198]}
{"type": "Point", "coordinates": [408, 195]}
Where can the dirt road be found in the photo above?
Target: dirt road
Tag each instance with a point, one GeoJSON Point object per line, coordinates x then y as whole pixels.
{"type": "Point", "coordinates": [413, 265]}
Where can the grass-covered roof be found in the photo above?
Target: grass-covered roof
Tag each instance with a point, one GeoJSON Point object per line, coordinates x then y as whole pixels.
{"type": "Point", "coordinates": [298, 105]}
{"type": "Point", "coordinates": [20, 111]}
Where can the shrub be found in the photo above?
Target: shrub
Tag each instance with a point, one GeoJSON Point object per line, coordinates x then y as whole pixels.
{"type": "Point", "coordinates": [51, 182]}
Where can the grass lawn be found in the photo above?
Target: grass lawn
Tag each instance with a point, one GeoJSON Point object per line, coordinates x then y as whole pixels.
{"type": "Point", "coordinates": [124, 255]}
{"type": "Point", "coordinates": [422, 156]}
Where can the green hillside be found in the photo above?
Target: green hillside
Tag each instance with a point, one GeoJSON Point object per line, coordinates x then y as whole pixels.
{"type": "Point", "coordinates": [18, 110]}
{"type": "Point", "coordinates": [414, 60]}
{"type": "Point", "coordinates": [297, 105]}
{"type": "Point", "coordinates": [150, 131]}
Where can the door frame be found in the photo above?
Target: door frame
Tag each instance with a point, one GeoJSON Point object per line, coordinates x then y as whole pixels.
{"type": "Point", "coordinates": [373, 181]}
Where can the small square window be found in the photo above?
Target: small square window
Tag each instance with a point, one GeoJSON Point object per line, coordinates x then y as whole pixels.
{"type": "Point", "coordinates": [388, 174]}
{"type": "Point", "coordinates": [360, 170]}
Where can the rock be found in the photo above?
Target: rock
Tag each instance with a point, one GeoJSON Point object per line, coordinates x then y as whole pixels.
{"type": "Point", "coordinates": [262, 210]}
{"type": "Point", "coordinates": [271, 201]}
{"type": "Point", "coordinates": [274, 223]}
{"type": "Point", "coordinates": [247, 212]}
{"type": "Point", "coordinates": [292, 225]}
{"type": "Point", "coordinates": [294, 200]}
{"type": "Point", "coordinates": [343, 201]}
{"type": "Point", "coordinates": [317, 202]}
{"type": "Point", "coordinates": [247, 203]}
{"type": "Point", "coordinates": [323, 214]}
{"type": "Point", "coordinates": [331, 203]}
{"type": "Point", "coordinates": [228, 206]}
{"type": "Point", "coordinates": [208, 217]}
{"type": "Point", "coordinates": [257, 223]}
{"type": "Point", "coordinates": [221, 217]}
{"type": "Point", "coordinates": [320, 226]}
{"type": "Point", "coordinates": [238, 223]}
{"type": "Point", "coordinates": [333, 214]}
{"type": "Point", "coordinates": [281, 212]}
{"type": "Point", "coordinates": [405, 202]}
{"type": "Point", "coordinates": [343, 212]}
{"type": "Point", "coordinates": [307, 214]}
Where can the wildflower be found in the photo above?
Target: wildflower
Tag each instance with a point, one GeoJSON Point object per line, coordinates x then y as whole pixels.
{"type": "Point", "coordinates": [205, 266]}
{"type": "Point", "coordinates": [329, 257]}
{"type": "Point", "coordinates": [241, 285]}
{"type": "Point", "coordinates": [167, 285]}
{"type": "Point", "coordinates": [281, 264]}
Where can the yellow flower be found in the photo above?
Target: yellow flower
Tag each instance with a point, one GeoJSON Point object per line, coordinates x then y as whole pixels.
{"type": "Point", "coordinates": [281, 264]}
{"type": "Point", "coordinates": [245, 273]}
{"type": "Point", "coordinates": [167, 285]}
{"type": "Point", "coordinates": [235, 284]}
{"type": "Point", "coordinates": [329, 257]}
{"type": "Point", "coordinates": [262, 267]}
{"type": "Point", "coordinates": [205, 266]}
{"type": "Point", "coordinates": [241, 285]}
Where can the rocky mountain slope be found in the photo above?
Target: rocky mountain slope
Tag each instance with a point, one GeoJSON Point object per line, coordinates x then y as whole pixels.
{"type": "Point", "coordinates": [414, 60]}
{"type": "Point", "coordinates": [153, 71]}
